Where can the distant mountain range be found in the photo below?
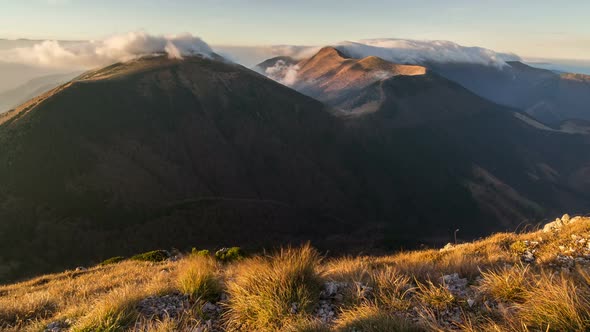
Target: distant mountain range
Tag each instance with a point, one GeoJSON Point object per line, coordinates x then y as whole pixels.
{"type": "Point", "coordinates": [548, 96]}
{"type": "Point", "coordinates": [14, 97]}
{"type": "Point", "coordinates": [159, 152]}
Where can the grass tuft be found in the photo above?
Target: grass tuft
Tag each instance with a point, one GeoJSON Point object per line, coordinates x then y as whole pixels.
{"type": "Point", "coordinates": [557, 303]}
{"type": "Point", "coordinates": [115, 312]}
{"type": "Point", "coordinates": [435, 296]}
{"type": "Point", "coordinates": [198, 278]}
{"type": "Point", "coordinates": [507, 284]}
{"type": "Point", "coordinates": [269, 293]}
{"type": "Point", "coordinates": [392, 288]}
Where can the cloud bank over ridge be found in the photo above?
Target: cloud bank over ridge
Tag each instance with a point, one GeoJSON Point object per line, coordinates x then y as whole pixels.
{"type": "Point", "coordinates": [405, 51]}
{"type": "Point", "coordinates": [95, 53]}
{"type": "Point", "coordinates": [409, 51]}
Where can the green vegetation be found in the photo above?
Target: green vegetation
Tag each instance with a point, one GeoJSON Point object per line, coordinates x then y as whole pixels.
{"type": "Point", "coordinates": [518, 247]}
{"type": "Point", "coordinates": [232, 254]}
{"type": "Point", "coordinates": [203, 253]}
{"type": "Point", "coordinates": [112, 260]}
{"type": "Point", "coordinates": [151, 256]}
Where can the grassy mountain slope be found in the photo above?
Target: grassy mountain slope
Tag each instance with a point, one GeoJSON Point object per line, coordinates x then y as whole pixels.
{"type": "Point", "coordinates": [332, 77]}
{"type": "Point", "coordinates": [173, 151]}
{"type": "Point", "coordinates": [160, 153]}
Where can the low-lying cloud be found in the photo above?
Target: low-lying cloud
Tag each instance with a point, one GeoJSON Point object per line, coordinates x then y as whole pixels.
{"type": "Point", "coordinates": [283, 72]}
{"type": "Point", "coordinates": [421, 52]}
{"type": "Point", "coordinates": [403, 51]}
{"type": "Point", "coordinates": [95, 53]}
{"type": "Point", "coordinates": [294, 51]}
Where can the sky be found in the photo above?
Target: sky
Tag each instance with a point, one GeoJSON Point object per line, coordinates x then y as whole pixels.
{"type": "Point", "coordinates": [541, 29]}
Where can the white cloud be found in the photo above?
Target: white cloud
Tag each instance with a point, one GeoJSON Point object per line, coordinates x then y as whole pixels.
{"type": "Point", "coordinates": [424, 51]}
{"type": "Point", "coordinates": [90, 54]}
{"type": "Point", "coordinates": [294, 51]}
{"type": "Point", "coordinates": [283, 73]}
{"type": "Point", "coordinates": [405, 51]}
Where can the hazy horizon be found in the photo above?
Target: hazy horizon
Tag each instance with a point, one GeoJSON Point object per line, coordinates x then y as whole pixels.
{"type": "Point", "coordinates": [504, 26]}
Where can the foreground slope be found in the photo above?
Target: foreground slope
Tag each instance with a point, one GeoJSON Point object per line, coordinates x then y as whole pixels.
{"type": "Point", "coordinates": [537, 281]}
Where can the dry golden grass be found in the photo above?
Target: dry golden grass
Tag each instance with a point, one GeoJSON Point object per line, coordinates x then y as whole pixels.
{"type": "Point", "coordinates": [198, 277]}
{"type": "Point", "coordinates": [466, 259]}
{"type": "Point", "coordinates": [434, 296]}
{"type": "Point", "coordinates": [75, 295]}
{"type": "Point", "coordinates": [392, 288]}
{"type": "Point", "coordinates": [190, 320]}
{"type": "Point", "coordinates": [508, 284]}
{"type": "Point", "coordinates": [281, 292]}
{"type": "Point", "coordinates": [557, 303]}
{"type": "Point", "coordinates": [307, 325]}
{"type": "Point", "coordinates": [371, 318]}
{"type": "Point", "coordinates": [348, 268]}
{"type": "Point", "coordinates": [269, 293]}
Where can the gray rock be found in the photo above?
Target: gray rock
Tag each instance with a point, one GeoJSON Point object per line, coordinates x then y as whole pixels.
{"type": "Point", "coordinates": [553, 226]}
{"type": "Point", "coordinates": [58, 326]}
{"type": "Point", "coordinates": [528, 256]}
{"type": "Point", "coordinates": [455, 284]}
{"type": "Point", "coordinates": [160, 307]}
{"type": "Point", "coordinates": [565, 219]}
{"type": "Point", "coordinates": [332, 288]}
{"type": "Point", "coordinates": [447, 246]}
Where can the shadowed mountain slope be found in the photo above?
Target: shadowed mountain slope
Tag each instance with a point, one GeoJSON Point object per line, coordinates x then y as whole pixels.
{"type": "Point", "coordinates": [162, 152]}
{"type": "Point", "coordinates": [543, 94]}
{"type": "Point", "coordinates": [157, 153]}
{"type": "Point", "coordinates": [511, 164]}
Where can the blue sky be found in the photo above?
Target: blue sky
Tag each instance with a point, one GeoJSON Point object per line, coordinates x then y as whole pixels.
{"type": "Point", "coordinates": [542, 28]}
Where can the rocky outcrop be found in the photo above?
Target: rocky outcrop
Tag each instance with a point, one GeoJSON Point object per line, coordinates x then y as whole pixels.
{"type": "Point", "coordinates": [558, 223]}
